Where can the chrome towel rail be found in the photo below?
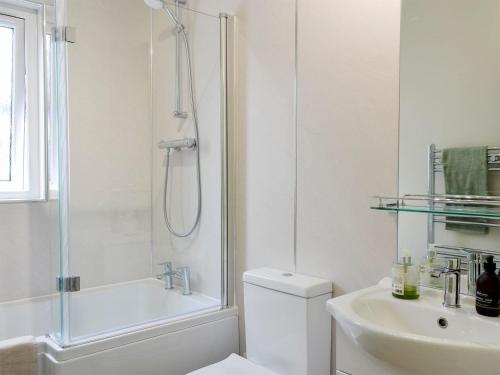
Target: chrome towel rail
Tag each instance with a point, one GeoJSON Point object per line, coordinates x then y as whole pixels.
{"type": "Point", "coordinates": [493, 158]}
{"type": "Point", "coordinates": [464, 200]}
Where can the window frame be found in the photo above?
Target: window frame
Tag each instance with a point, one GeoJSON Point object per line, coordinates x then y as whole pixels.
{"type": "Point", "coordinates": [29, 153]}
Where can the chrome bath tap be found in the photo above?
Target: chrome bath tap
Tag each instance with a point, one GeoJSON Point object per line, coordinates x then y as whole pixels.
{"type": "Point", "coordinates": [181, 273]}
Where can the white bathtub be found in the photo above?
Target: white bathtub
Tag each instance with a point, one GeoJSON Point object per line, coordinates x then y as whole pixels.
{"type": "Point", "coordinates": [181, 333]}
{"type": "Point", "coordinates": [26, 317]}
{"type": "Point", "coordinates": [101, 311]}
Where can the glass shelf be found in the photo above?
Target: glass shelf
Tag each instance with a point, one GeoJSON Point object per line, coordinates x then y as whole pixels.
{"type": "Point", "coordinates": [487, 207]}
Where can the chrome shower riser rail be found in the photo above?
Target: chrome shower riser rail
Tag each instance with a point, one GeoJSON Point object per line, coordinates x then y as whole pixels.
{"type": "Point", "coordinates": [178, 29]}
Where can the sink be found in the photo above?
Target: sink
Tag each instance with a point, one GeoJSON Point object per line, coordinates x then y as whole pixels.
{"type": "Point", "coordinates": [420, 336]}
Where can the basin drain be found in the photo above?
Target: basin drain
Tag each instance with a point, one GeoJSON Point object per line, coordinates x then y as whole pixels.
{"type": "Point", "coordinates": [443, 323]}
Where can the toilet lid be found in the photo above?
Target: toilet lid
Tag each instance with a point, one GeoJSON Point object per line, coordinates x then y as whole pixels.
{"type": "Point", "coordinates": [233, 365]}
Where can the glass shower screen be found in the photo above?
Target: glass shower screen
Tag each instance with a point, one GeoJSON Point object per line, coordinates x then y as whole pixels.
{"type": "Point", "coordinates": [131, 79]}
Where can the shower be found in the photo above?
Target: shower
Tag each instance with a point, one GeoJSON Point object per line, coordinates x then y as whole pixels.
{"type": "Point", "coordinates": [179, 145]}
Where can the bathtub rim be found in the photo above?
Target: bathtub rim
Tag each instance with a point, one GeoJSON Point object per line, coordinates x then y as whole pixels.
{"type": "Point", "coordinates": [138, 333]}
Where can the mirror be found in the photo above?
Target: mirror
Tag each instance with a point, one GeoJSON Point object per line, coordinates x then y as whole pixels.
{"type": "Point", "coordinates": [449, 97]}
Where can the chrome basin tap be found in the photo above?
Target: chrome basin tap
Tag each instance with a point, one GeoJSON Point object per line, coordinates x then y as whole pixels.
{"type": "Point", "coordinates": [452, 273]}
{"type": "Point", "coordinates": [181, 273]}
{"type": "Point", "coordinates": [475, 264]}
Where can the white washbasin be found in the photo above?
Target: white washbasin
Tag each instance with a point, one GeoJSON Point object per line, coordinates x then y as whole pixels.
{"type": "Point", "coordinates": [408, 334]}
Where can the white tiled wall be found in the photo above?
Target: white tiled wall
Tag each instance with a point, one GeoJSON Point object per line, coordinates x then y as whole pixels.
{"type": "Point", "coordinates": [348, 139]}
{"type": "Point", "coordinates": [110, 141]}
{"type": "Point", "coordinates": [265, 138]}
{"type": "Point", "coordinates": [26, 263]}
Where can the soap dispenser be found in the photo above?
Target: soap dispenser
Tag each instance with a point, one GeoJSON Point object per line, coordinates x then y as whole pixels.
{"type": "Point", "coordinates": [429, 264]}
{"type": "Point", "coordinates": [488, 290]}
{"type": "Point", "coordinates": [405, 279]}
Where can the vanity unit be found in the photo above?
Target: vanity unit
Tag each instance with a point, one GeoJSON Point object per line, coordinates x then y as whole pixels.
{"type": "Point", "coordinates": [449, 81]}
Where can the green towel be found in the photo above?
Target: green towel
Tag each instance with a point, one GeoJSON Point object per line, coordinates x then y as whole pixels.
{"type": "Point", "coordinates": [466, 173]}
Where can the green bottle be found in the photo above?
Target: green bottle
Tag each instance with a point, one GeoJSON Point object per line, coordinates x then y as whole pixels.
{"type": "Point", "coordinates": [406, 279]}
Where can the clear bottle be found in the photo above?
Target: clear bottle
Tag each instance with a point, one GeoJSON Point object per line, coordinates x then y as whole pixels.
{"type": "Point", "coordinates": [406, 279]}
{"type": "Point", "coordinates": [429, 264]}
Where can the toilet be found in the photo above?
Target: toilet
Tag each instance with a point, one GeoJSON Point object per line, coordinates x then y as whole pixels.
{"type": "Point", "coordinates": [288, 330]}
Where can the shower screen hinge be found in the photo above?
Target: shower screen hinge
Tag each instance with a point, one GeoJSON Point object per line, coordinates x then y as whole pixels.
{"type": "Point", "coordinates": [65, 34]}
{"type": "Point", "coordinates": [68, 284]}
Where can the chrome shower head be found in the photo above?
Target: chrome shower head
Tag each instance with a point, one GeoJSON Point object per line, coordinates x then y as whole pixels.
{"type": "Point", "coordinates": [155, 4]}
{"type": "Point", "coordinates": [160, 4]}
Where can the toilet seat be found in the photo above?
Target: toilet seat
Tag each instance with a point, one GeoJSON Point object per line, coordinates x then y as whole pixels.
{"type": "Point", "coordinates": [233, 365]}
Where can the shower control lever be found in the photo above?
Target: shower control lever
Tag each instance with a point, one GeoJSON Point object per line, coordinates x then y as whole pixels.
{"type": "Point", "coordinates": [181, 273]}
{"type": "Point", "coordinates": [177, 144]}
{"type": "Point", "coordinates": [178, 114]}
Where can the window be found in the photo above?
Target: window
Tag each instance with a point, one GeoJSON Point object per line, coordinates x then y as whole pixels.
{"type": "Point", "coordinates": [22, 146]}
